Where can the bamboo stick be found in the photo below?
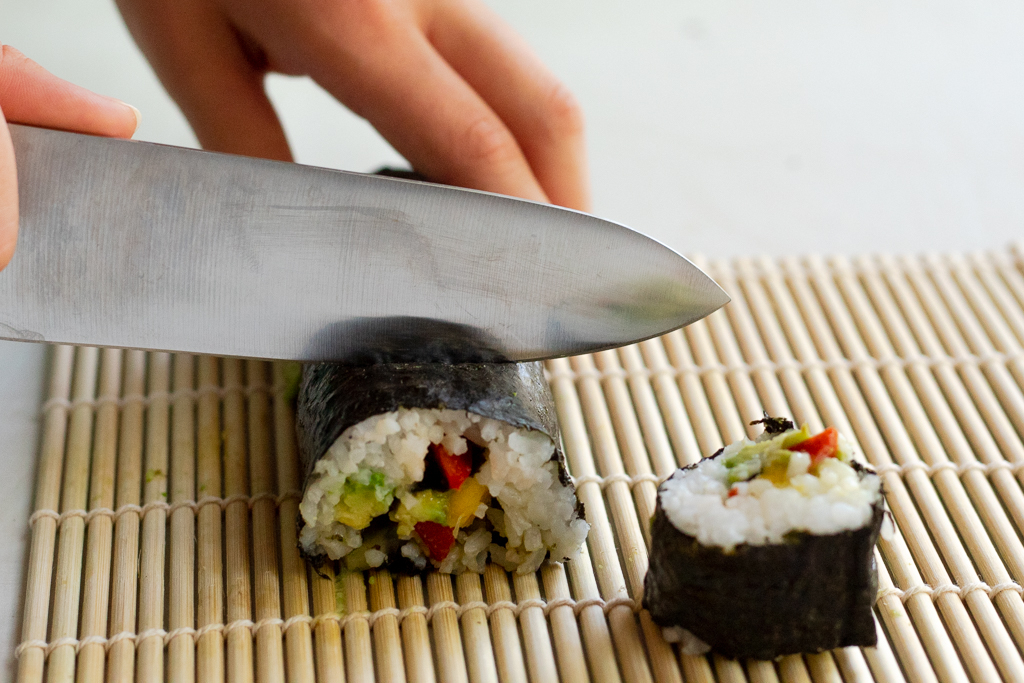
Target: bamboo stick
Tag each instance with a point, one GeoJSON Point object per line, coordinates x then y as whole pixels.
{"type": "Point", "coordinates": [594, 627]}
{"type": "Point", "coordinates": [150, 650]}
{"type": "Point", "coordinates": [66, 594]}
{"type": "Point", "coordinates": [481, 664]}
{"type": "Point", "coordinates": [791, 669]}
{"type": "Point", "coordinates": [236, 526]}
{"type": "Point", "coordinates": [419, 663]}
{"type": "Point", "coordinates": [716, 388]}
{"type": "Point", "coordinates": [823, 667]}
{"type": "Point", "coordinates": [540, 655]}
{"type": "Point", "coordinates": [696, 668]}
{"type": "Point", "coordinates": [901, 629]}
{"type": "Point", "coordinates": [698, 407]}
{"type": "Point", "coordinates": [330, 664]}
{"type": "Point", "coordinates": [582, 463]}
{"type": "Point", "coordinates": [929, 628]}
{"type": "Point", "coordinates": [850, 666]}
{"type": "Point", "coordinates": [881, 659]}
{"type": "Point", "coordinates": [96, 580]}
{"type": "Point", "coordinates": [811, 390]}
{"type": "Point", "coordinates": [745, 346]}
{"type": "Point", "coordinates": [451, 661]}
{"type": "Point", "coordinates": [632, 449]}
{"type": "Point", "coordinates": [634, 459]}
{"type": "Point", "coordinates": [601, 539]}
{"type": "Point", "coordinates": [386, 639]}
{"type": "Point", "coordinates": [298, 638]}
{"type": "Point", "coordinates": [762, 340]}
{"type": "Point", "coordinates": [670, 403]}
{"type": "Point", "coordinates": [572, 665]}
{"type": "Point", "coordinates": [358, 645]}
{"type": "Point", "coordinates": [181, 664]}
{"type": "Point", "coordinates": [655, 435]}
{"type": "Point", "coordinates": [507, 652]}
{"type": "Point", "coordinates": [609, 464]}
{"type": "Point", "coordinates": [664, 664]}
{"type": "Point", "coordinates": [209, 545]}
{"type": "Point", "coordinates": [266, 580]}
{"type": "Point", "coordinates": [44, 530]}
{"type": "Point", "coordinates": [756, 671]}
{"type": "Point", "coordinates": [731, 670]}
{"type": "Point", "coordinates": [124, 594]}
{"type": "Point", "coordinates": [738, 342]}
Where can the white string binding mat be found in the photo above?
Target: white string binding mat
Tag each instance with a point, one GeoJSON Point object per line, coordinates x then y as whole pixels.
{"type": "Point", "coordinates": [195, 572]}
{"type": "Point", "coordinates": [142, 510]}
{"type": "Point", "coordinates": [342, 620]}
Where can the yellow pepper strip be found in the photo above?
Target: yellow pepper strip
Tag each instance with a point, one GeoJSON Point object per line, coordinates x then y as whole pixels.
{"type": "Point", "coordinates": [464, 502]}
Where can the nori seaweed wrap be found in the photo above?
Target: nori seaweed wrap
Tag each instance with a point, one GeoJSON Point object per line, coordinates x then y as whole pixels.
{"type": "Point", "coordinates": [764, 587]}
{"type": "Point", "coordinates": [420, 465]}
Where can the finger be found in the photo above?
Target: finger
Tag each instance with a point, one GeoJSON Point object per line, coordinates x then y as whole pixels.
{"type": "Point", "coordinates": [382, 67]}
{"type": "Point", "coordinates": [539, 110]}
{"type": "Point", "coordinates": [200, 60]}
{"type": "Point", "coordinates": [8, 196]}
{"type": "Point", "coordinates": [30, 94]}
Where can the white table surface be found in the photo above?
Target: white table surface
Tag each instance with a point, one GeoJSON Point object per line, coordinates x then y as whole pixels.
{"type": "Point", "coordinates": [723, 127]}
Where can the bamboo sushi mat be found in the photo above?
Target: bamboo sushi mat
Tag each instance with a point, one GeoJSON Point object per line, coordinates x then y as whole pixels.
{"type": "Point", "coordinates": [163, 538]}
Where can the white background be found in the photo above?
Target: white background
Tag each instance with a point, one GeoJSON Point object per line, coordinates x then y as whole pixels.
{"type": "Point", "coordinates": [721, 127]}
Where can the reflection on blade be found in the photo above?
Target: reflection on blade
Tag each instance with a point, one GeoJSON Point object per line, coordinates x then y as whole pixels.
{"type": "Point", "coordinates": [369, 341]}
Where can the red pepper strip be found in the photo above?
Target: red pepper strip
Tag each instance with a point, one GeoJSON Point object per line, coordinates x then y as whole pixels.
{"type": "Point", "coordinates": [456, 468]}
{"type": "Point", "coordinates": [733, 492]}
{"type": "Point", "coordinates": [438, 538]}
{"type": "Point", "coordinates": [820, 446]}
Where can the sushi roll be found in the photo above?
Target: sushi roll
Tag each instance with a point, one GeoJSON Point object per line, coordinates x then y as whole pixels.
{"type": "Point", "coordinates": [765, 548]}
{"type": "Point", "coordinates": [418, 466]}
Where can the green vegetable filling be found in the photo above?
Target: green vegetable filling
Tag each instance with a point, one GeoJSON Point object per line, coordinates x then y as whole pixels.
{"type": "Point", "coordinates": [430, 506]}
{"type": "Point", "coordinates": [769, 457]}
{"type": "Point", "coordinates": [364, 496]}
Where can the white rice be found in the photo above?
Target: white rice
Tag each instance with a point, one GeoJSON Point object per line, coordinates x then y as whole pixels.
{"type": "Point", "coordinates": [697, 503]}
{"type": "Point", "coordinates": [537, 514]}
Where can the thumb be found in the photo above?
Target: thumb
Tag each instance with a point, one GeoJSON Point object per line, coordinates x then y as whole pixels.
{"type": "Point", "coordinates": [30, 94]}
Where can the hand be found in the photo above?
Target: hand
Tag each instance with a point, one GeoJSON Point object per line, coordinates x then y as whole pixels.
{"type": "Point", "coordinates": [29, 94]}
{"type": "Point", "coordinates": [446, 82]}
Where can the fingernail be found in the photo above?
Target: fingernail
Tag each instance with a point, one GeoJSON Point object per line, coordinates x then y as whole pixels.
{"type": "Point", "coordinates": [138, 114]}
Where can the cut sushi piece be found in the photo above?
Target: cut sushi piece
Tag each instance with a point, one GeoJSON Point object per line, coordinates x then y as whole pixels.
{"type": "Point", "coordinates": [418, 466]}
{"type": "Point", "coordinates": [765, 548]}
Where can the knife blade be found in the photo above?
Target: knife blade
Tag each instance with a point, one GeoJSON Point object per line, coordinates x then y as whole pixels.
{"type": "Point", "coordinates": [138, 245]}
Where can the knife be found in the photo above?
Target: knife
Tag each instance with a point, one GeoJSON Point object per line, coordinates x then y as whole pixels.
{"type": "Point", "coordinates": [138, 245]}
